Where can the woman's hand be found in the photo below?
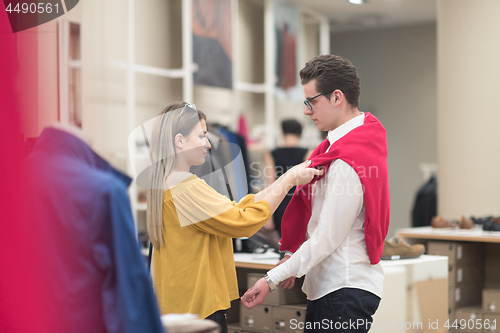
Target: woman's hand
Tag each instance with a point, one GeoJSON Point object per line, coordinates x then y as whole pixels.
{"type": "Point", "coordinates": [302, 174]}
{"type": "Point", "coordinates": [256, 295]}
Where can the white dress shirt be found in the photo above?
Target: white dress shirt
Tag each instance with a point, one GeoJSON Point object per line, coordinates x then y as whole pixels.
{"type": "Point", "coordinates": [334, 254]}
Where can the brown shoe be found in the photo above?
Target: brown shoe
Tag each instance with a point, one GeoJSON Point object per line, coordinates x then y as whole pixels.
{"type": "Point", "coordinates": [441, 222]}
{"type": "Point", "coordinates": [466, 223]}
{"type": "Point", "coordinates": [397, 248]}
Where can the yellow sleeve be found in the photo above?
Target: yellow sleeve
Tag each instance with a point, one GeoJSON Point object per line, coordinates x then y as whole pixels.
{"type": "Point", "coordinates": [200, 206]}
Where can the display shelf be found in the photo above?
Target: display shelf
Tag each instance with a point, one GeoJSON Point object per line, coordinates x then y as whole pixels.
{"type": "Point", "coordinates": [486, 256]}
{"type": "Point", "coordinates": [408, 285]}
{"type": "Point", "coordinates": [254, 49]}
{"type": "Point", "coordinates": [269, 260]}
{"type": "Point", "coordinates": [258, 261]}
{"type": "Point", "coordinates": [463, 235]}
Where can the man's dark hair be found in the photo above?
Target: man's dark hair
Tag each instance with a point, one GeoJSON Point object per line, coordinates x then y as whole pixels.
{"type": "Point", "coordinates": [291, 126]}
{"type": "Point", "coordinates": [333, 72]}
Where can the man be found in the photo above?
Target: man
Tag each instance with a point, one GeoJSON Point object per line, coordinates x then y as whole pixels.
{"type": "Point", "coordinates": [336, 227]}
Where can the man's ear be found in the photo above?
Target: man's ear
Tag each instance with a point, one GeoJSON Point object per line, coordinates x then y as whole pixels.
{"type": "Point", "coordinates": [179, 140]}
{"type": "Point", "coordinates": [337, 97]}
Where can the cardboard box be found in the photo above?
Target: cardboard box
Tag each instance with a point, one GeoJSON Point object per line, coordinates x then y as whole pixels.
{"type": "Point", "coordinates": [237, 329]}
{"type": "Point", "coordinates": [280, 296]}
{"type": "Point", "coordinates": [451, 299]}
{"type": "Point", "coordinates": [451, 315]}
{"type": "Point", "coordinates": [463, 296]}
{"type": "Point", "coordinates": [286, 318]}
{"type": "Point", "coordinates": [492, 266]}
{"type": "Point", "coordinates": [257, 318]}
{"type": "Point", "coordinates": [469, 319]}
{"type": "Point", "coordinates": [458, 252]}
{"type": "Point", "coordinates": [466, 275]}
{"type": "Point", "coordinates": [491, 300]}
{"type": "Point", "coordinates": [491, 322]}
{"type": "Point", "coordinates": [234, 329]}
{"type": "Point", "coordinates": [432, 304]}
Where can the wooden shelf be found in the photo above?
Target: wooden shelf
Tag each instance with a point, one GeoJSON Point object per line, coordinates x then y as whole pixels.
{"type": "Point", "coordinates": [463, 235]}
{"type": "Point", "coordinates": [399, 300]}
{"type": "Point", "coordinates": [265, 261]}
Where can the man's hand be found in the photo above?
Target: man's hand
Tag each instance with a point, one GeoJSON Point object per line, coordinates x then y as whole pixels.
{"type": "Point", "coordinates": [290, 282]}
{"type": "Point", "coordinates": [256, 295]}
{"type": "Point", "coordinates": [285, 258]}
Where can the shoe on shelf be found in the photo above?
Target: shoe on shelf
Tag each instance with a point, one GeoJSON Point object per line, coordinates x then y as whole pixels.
{"type": "Point", "coordinates": [267, 237]}
{"type": "Point", "coordinates": [441, 222]}
{"type": "Point", "coordinates": [490, 223]}
{"type": "Point", "coordinates": [466, 223]}
{"type": "Point", "coordinates": [496, 223]}
{"type": "Point", "coordinates": [397, 248]}
{"type": "Point", "coordinates": [481, 220]}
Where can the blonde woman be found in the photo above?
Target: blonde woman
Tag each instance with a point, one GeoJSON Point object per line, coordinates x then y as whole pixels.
{"type": "Point", "coordinates": [191, 225]}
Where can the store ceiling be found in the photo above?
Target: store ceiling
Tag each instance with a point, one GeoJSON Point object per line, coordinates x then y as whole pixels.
{"type": "Point", "coordinates": [374, 14]}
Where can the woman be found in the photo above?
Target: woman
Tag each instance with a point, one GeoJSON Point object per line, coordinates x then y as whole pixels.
{"type": "Point", "coordinates": [191, 225]}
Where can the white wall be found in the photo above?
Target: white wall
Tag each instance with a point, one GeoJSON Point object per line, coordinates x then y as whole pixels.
{"type": "Point", "coordinates": [103, 41]}
{"type": "Point", "coordinates": [104, 91]}
{"type": "Point", "coordinates": [469, 137]}
{"type": "Point", "coordinates": [397, 67]}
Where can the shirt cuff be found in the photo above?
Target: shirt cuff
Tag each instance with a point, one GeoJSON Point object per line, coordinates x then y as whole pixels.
{"type": "Point", "coordinates": [272, 275]}
{"type": "Point", "coordinates": [279, 273]}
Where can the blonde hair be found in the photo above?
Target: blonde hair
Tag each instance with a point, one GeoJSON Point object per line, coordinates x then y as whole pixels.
{"type": "Point", "coordinates": [170, 122]}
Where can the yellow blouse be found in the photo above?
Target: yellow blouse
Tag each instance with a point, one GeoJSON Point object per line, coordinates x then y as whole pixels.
{"type": "Point", "coordinates": [194, 270]}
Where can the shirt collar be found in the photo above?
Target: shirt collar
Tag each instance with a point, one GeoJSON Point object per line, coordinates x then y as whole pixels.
{"type": "Point", "coordinates": [345, 128]}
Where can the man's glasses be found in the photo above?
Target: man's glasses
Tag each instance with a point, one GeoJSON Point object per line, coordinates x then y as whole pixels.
{"type": "Point", "coordinates": [306, 102]}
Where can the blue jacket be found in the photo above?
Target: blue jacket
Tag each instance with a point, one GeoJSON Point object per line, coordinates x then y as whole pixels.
{"type": "Point", "coordinates": [93, 270]}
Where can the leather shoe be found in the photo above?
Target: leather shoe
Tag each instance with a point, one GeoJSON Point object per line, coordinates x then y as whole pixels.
{"type": "Point", "coordinates": [466, 223]}
{"type": "Point", "coordinates": [493, 224]}
{"type": "Point", "coordinates": [441, 222]}
{"type": "Point", "coordinates": [397, 248]}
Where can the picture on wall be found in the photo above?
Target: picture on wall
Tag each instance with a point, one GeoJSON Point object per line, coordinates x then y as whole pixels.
{"type": "Point", "coordinates": [212, 43]}
{"type": "Point", "coordinates": [287, 20]}
{"type": "Point", "coordinates": [70, 72]}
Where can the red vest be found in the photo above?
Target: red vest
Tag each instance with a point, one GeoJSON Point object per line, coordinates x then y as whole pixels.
{"type": "Point", "coordinates": [365, 150]}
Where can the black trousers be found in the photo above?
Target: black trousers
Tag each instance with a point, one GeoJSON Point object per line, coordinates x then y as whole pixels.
{"type": "Point", "coordinates": [345, 310]}
{"type": "Point", "coordinates": [220, 317]}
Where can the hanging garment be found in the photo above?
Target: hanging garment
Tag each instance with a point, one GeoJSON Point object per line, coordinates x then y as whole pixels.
{"type": "Point", "coordinates": [425, 206]}
{"type": "Point", "coordinates": [94, 274]}
{"type": "Point", "coordinates": [285, 158]}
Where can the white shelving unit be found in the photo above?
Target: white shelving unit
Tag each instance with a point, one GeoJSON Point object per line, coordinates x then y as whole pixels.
{"type": "Point", "coordinates": [185, 73]}
{"type": "Point", "coordinates": [410, 285]}
{"type": "Point", "coordinates": [264, 88]}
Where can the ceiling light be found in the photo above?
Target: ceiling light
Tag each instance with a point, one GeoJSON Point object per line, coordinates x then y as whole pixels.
{"type": "Point", "coordinates": [357, 2]}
